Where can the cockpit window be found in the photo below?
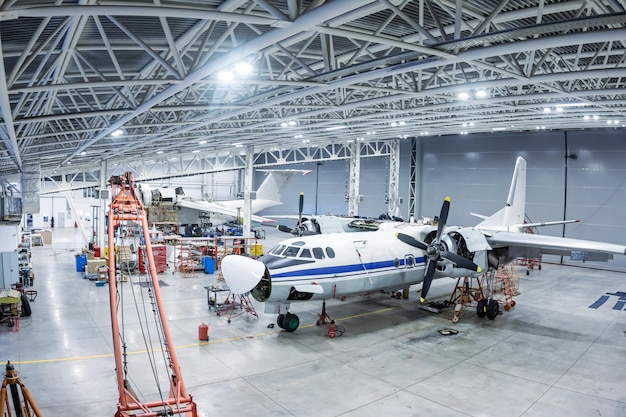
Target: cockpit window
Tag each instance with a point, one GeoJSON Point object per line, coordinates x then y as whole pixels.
{"type": "Point", "coordinates": [330, 252]}
{"type": "Point", "coordinates": [298, 243]}
{"type": "Point", "coordinates": [318, 253]}
{"type": "Point", "coordinates": [278, 249]}
{"type": "Point", "coordinates": [291, 251]}
{"type": "Point", "coordinates": [306, 253]}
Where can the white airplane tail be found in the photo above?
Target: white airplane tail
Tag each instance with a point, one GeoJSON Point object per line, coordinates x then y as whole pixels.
{"type": "Point", "coordinates": [275, 182]}
{"type": "Point", "coordinates": [511, 216]}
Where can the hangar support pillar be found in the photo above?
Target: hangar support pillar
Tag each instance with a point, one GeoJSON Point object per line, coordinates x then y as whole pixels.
{"type": "Point", "coordinates": [353, 184]}
{"type": "Point", "coordinates": [247, 191]}
{"type": "Point", "coordinates": [393, 194]}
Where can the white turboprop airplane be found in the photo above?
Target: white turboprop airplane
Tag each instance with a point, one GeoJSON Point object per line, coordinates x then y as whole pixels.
{"type": "Point", "coordinates": [269, 194]}
{"type": "Point", "coordinates": [398, 255]}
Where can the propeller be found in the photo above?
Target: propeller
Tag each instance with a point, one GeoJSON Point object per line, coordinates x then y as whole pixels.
{"type": "Point", "coordinates": [298, 230]}
{"type": "Point", "coordinates": [435, 250]}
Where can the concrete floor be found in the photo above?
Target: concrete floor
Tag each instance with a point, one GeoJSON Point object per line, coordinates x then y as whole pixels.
{"type": "Point", "coordinates": [551, 355]}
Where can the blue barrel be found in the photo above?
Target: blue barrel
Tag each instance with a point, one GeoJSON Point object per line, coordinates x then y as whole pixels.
{"type": "Point", "coordinates": [208, 264]}
{"type": "Point", "coordinates": [81, 261]}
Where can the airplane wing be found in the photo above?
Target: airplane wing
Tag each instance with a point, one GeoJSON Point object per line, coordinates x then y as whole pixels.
{"type": "Point", "coordinates": [210, 207]}
{"type": "Point", "coordinates": [532, 245]}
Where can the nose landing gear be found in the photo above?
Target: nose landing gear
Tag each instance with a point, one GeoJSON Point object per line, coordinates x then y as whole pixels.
{"type": "Point", "coordinates": [289, 322]}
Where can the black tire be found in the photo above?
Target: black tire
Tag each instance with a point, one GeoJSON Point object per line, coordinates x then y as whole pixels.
{"type": "Point", "coordinates": [493, 308]}
{"type": "Point", "coordinates": [481, 308]}
{"type": "Point", "coordinates": [280, 320]}
{"type": "Point", "coordinates": [291, 322]}
{"type": "Point", "coordinates": [26, 310]}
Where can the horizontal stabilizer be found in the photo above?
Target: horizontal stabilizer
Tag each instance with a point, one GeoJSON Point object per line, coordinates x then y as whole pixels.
{"type": "Point", "coordinates": [548, 223]}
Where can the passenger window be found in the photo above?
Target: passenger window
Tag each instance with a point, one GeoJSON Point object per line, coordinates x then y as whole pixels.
{"type": "Point", "coordinates": [306, 253]}
{"type": "Point", "coordinates": [278, 250]}
{"type": "Point", "coordinates": [409, 261]}
{"type": "Point", "coordinates": [330, 252]}
{"type": "Point", "coordinates": [291, 251]}
{"type": "Point", "coordinates": [318, 253]}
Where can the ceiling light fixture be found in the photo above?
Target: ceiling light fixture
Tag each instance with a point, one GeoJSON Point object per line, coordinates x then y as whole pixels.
{"type": "Point", "coordinates": [117, 132]}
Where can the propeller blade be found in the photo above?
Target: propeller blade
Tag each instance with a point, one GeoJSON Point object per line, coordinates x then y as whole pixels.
{"type": "Point", "coordinates": [410, 240]}
{"type": "Point", "coordinates": [300, 207]}
{"type": "Point", "coordinates": [460, 261]}
{"type": "Point", "coordinates": [284, 228]}
{"type": "Point", "coordinates": [428, 279]}
{"type": "Point", "coordinates": [443, 217]}
{"type": "Point", "coordinates": [241, 273]}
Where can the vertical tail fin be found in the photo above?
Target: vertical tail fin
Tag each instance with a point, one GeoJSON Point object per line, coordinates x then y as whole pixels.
{"type": "Point", "coordinates": [275, 182]}
{"type": "Point", "coordinates": [511, 216]}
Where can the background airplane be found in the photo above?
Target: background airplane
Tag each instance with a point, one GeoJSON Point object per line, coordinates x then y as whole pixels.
{"type": "Point", "coordinates": [190, 210]}
{"type": "Point", "coordinates": [311, 224]}
{"type": "Point", "coordinates": [398, 255]}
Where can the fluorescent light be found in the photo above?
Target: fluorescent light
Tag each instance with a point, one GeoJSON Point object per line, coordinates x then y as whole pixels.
{"type": "Point", "coordinates": [225, 76]}
{"type": "Point", "coordinates": [202, 142]}
{"type": "Point", "coordinates": [336, 127]}
{"type": "Point", "coordinates": [159, 152]}
{"type": "Point", "coordinates": [498, 128]}
{"type": "Point", "coordinates": [117, 132]}
{"type": "Point", "coordinates": [463, 95]}
{"type": "Point", "coordinates": [243, 68]}
{"type": "Point", "coordinates": [481, 93]}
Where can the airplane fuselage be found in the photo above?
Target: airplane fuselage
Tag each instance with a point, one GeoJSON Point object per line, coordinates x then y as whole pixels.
{"type": "Point", "coordinates": [344, 264]}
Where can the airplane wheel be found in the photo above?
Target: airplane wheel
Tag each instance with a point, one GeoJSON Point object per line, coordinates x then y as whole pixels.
{"type": "Point", "coordinates": [280, 321]}
{"type": "Point", "coordinates": [507, 307]}
{"type": "Point", "coordinates": [481, 309]}
{"type": "Point", "coordinates": [493, 309]}
{"type": "Point", "coordinates": [513, 303]}
{"type": "Point", "coordinates": [455, 319]}
{"type": "Point", "coordinates": [26, 310]}
{"type": "Point", "coordinates": [291, 322]}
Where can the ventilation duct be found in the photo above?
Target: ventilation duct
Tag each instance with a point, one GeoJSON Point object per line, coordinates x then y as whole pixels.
{"type": "Point", "coordinates": [31, 177]}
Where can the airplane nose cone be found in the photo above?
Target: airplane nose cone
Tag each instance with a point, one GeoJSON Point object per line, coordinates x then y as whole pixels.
{"type": "Point", "coordinates": [241, 273]}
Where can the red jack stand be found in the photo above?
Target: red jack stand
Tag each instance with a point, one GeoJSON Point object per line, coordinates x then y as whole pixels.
{"type": "Point", "coordinates": [324, 318]}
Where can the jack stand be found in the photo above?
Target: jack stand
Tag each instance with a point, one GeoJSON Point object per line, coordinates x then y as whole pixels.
{"type": "Point", "coordinates": [23, 408]}
{"type": "Point", "coordinates": [324, 318]}
{"type": "Point", "coordinates": [463, 295]}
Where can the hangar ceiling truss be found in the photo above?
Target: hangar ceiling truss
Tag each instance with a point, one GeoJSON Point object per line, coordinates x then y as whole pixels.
{"type": "Point", "coordinates": [75, 73]}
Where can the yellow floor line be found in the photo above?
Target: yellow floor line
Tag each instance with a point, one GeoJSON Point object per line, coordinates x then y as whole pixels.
{"type": "Point", "coordinates": [189, 345]}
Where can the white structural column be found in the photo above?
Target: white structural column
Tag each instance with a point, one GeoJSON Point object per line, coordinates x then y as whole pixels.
{"type": "Point", "coordinates": [70, 201]}
{"type": "Point", "coordinates": [393, 204]}
{"type": "Point", "coordinates": [355, 174]}
{"type": "Point", "coordinates": [415, 181]}
{"type": "Point", "coordinates": [102, 235]}
{"type": "Point", "coordinates": [247, 191]}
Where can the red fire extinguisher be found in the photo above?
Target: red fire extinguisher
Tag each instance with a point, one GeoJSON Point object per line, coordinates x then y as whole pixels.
{"type": "Point", "coordinates": [332, 329]}
{"type": "Point", "coordinates": [203, 332]}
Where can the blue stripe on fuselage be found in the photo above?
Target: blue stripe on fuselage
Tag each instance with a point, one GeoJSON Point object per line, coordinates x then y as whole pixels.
{"type": "Point", "coordinates": [344, 269]}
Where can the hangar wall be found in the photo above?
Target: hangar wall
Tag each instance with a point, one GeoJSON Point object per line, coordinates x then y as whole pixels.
{"type": "Point", "coordinates": [476, 173]}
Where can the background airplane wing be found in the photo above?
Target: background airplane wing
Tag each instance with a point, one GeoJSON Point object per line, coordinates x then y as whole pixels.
{"type": "Point", "coordinates": [532, 245]}
{"type": "Point", "coordinates": [210, 207]}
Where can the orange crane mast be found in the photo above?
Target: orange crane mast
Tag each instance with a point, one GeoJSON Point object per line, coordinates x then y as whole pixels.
{"type": "Point", "coordinates": [125, 209]}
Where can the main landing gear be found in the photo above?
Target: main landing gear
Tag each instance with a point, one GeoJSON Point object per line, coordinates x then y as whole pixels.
{"type": "Point", "coordinates": [487, 307]}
